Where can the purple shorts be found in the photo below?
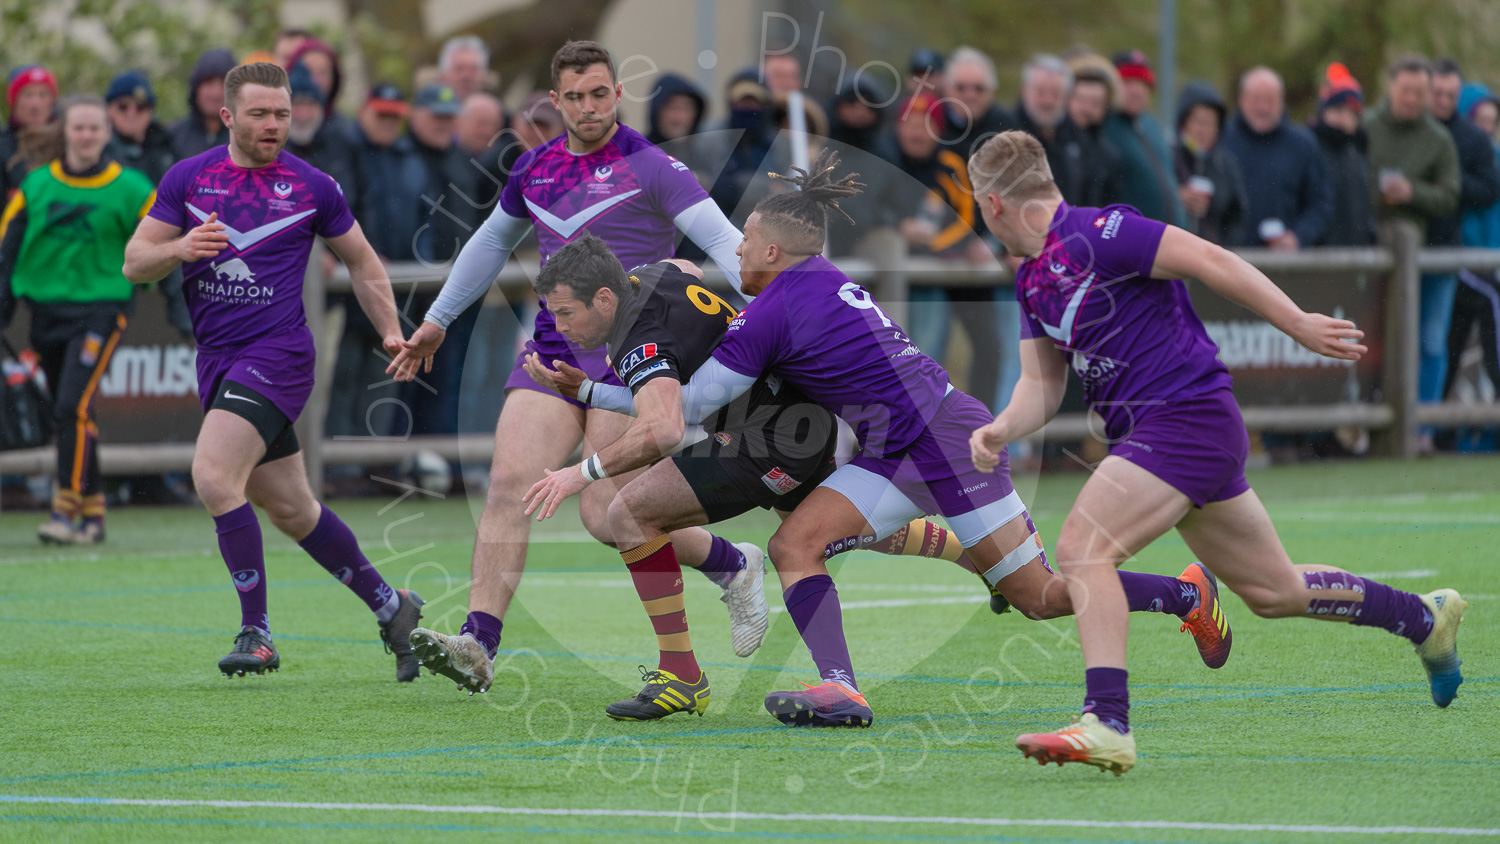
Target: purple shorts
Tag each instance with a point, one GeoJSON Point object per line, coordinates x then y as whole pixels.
{"type": "Point", "coordinates": [279, 366]}
{"type": "Point", "coordinates": [550, 345]}
{"type": "Point", "coordinates": [934, 475]}
{"type": "Point", "coordinates": [1196, 444]}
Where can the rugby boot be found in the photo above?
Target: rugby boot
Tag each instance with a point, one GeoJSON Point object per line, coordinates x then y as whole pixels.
{"type": "Point", "coordinates": [253, 654]}
{"type": "Point", "coordinates": [396, 634]}
{"type": "Point", "coordinates": [828, 704]}
{"type": "Point", "coordinates": [1439, 652]}
{"type": "Point", "coordinates": [1209, 625]}
{"type": "Point", "coordinates": [1086, 740]}
{"type": "Point", "coordinates": [745, 595]}
{"type": "Point", "coordinates": [459, 658]}
{"type": "Point", "coordinates": [664, 694]}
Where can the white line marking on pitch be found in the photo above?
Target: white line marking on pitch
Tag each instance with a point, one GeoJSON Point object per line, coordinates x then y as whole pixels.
{"type": "Point", "coordinates": [757, 816]}
{"type": "Point", "coordinates": [1397, 575]}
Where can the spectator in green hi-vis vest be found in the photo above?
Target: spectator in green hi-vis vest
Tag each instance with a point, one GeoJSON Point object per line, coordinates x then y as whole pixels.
{"type": "Point", "coordinates": [62, 247]}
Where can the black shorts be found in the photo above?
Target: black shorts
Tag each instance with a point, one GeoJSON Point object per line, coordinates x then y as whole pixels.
{"type": "Point", "coordinates": [274, 427]}
{"type": "Point", "coordinates": [730, 479]}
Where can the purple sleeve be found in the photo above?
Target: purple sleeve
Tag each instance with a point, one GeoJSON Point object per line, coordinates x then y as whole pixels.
{"type": "Point", "coordinates": [512, 201]}
{"type": "Point", "coordinates": [676, 188]}
{"type": "Point", "coordinates": [170, 206]}
{"type": "Point", "coordinates": [1030, 328]}
{"type": "Point", "coordinates": [1131, 248]}
{"type": "Point", "coordinates": [753, 341]}
{"type": "Point", "coordinates": [334, 218]}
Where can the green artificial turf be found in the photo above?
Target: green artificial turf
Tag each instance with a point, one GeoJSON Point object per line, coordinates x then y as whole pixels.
{"type": "Point", "coordinates": [109, 690]}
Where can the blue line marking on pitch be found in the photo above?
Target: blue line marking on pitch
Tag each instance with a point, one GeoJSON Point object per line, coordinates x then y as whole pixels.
{"type": "Point", "coordinates": [541, 830]}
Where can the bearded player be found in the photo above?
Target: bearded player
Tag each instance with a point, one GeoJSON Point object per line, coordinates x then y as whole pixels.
{"type": "Point", "coordinates": [240, 220]}
{"type": "Point", "coordinates": [604, 176]}
{"type": "Point", "coordinates": [1102, 288]}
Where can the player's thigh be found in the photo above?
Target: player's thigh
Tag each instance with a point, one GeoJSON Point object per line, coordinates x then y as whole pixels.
{"type": "Point", "coordinates": [1239, 544]}
{"type": "Point", "coordinates": [853, 501]}
{"type": "Point", "coordinates": [227, 449]}
{"type": "Point", "coordinates": [1120, 510]}
{"type": "Point", "coordinates": [536, 432]}
{"type": "Point", "coordinates": [660, 500]}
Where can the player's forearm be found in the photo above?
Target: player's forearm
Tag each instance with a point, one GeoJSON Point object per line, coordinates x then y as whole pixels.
{"type": "Point", "coordinates": [1033, 403]}
{"type": "Point", "coordinates": [1235, 279]}
{"type": "Point", "coordinates": [643, 443]}
{"type": "Point", "coordinates": [375, 297]}
{"type": "Point", "coordinates": [478, 263]}
{"type": "Point", "coordinates": [147, 262]}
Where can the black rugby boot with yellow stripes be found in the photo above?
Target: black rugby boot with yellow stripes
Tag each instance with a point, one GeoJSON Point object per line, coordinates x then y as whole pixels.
{"type": "Point", "coordinates": [663, 695]}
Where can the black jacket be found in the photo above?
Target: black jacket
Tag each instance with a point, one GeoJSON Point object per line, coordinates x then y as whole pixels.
{"type": "Point", "coordinates": [332, 151]}
{"type": "Point", "coordinates": [441, 232]}
{"type": "Point", "coordinates": [965, 137]}
{"type": "Point", "coordinates": [1346, 159]}
{"type": "Point", "coordinates": [668, 86]}
{"type": "Point", "coordinates": [152, 156]}
{"type": "Point", "coordinates": [1479, 180]}
{"type": "Point", "coordinates": [1284, 178]}
{"type": "Point", "coordinates": [1224, 221]}
{"type": "Point", "coordinates": [1065, 154]}
{"type": "Point", "coordinates": [1101, 172]}
{"type": "Point", "coordinates": [189, 138]}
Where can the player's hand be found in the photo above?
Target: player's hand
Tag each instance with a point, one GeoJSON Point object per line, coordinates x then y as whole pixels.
{"type": "Point", "coordinates": [564, 380]}
{"type": "Point", "coordinates": [205, 241]}
{"type": "Point", "coordinates": [984, 447]}
{"type": "Point", "coordinates": [553, 490]}
{"type": "Point", "coordinates": [404, 368]}
{"type": "Point", "coordinates": [1329, 337]}
{"type": "Point", "coordinates": [420, 348]}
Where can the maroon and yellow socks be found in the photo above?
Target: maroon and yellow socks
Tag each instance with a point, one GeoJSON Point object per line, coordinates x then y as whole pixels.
{"type": "Point", "coordinates": [333, 546]}
{"type": "Point", "coordinates": [1158, 593]}
{"type": "Point", "coordinates": [723, 563]}
{"type": "Point", "coordinates": [1401, 613]}
{"type": "Point", "coordinates": [485, 629]}
{"type": "Point", "coordinates": [1107, 695]}
{"type": "Point", "coordinates": [813, 604]}
{"type": "Point", "coordinates": [658, 581]}
{"type": "Point", "coordinates": [917, 538]}
{"type": "Point", "coordinates": [240, 544]}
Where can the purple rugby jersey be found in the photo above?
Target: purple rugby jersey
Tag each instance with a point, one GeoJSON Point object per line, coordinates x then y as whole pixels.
{"type": "Point", "coordinates": [822, 332]}
{"type": "Point", "coordinates": [626, 193]}
{"type": "Point", "coordinates": [1135, 341]}
{"type": "Point", "coordinates": [253, 288]}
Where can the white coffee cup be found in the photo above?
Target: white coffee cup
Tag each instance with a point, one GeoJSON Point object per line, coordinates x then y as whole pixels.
{"type": "Point", "coordinates": [1271, 228]}
{"type": "Point", "coordinates": [1201, 184]}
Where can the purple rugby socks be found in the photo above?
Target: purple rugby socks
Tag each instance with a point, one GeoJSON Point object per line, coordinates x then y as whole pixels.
{"type": "Point", "coordinates": [813, 604]}
{"type": "Point", "coordinates": [1107, 695]}
{"type": "Point", "coordinates": [333, 546]}
{"type": "Point", "coordinates": [1158, 593]}
{"type": "Point", "coordinates": [240, 545]}
{"type": "Point", "coordinates": [723, 563]}
{"type": "Point", "coordinates": [1401, 613]}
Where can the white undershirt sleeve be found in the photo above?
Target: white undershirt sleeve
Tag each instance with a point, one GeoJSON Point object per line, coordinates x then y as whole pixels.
{"type": "Point", "coordinates": [706, 225]}
{"type": "Point", "coordinates": [477, 265]}
{"type": "Point", "coordinates": [711, 387]}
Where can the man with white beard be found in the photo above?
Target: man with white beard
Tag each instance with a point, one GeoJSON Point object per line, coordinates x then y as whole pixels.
{"type": "Point", "coordinates": [1046, 83]}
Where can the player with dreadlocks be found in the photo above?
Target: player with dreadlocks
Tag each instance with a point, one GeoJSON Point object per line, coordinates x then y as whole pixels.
{"type": "Point", "coordinates": [814, 329]}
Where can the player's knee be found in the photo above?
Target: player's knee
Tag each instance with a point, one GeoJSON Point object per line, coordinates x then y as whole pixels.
{"type": "Point", "coordinates": [1265, 601]}
{"type": "Point", "coordinates": [790, 543]}
{"type": "Point", "coordinates": [506, 486]}
{"type": "Point", "coordinates": [212, 483]}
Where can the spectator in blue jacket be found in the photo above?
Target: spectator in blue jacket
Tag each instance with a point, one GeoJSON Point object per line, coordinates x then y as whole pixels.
{"type": "Point", "coordinates": [1478, 298]}
{"type": "Point", "coordinates": [1288, 198]}
{"type": "Point", "coordinates": [1148, 176]}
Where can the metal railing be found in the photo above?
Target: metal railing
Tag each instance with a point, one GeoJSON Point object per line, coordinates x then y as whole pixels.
{"type": "Point", "coordinates": [891, 273]}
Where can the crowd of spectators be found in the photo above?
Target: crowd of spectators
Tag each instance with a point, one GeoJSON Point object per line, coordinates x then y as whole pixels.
{"type": "Point", "coordinates": [422, 170]}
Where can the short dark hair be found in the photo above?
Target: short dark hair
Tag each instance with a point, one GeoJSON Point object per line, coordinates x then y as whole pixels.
{"type": "Point", "coordinates": [580, 56]}
{"type": "Point", "coordinates": [801, 216]}
{"type": "Point", "coordinates": [1447, 66]}
{"type": "Point", "coordinates": [585, 267]}
{"type": "Point", "coordinates": [257, 73]}
{"type": "Point", "coordinates": [1410, 63]}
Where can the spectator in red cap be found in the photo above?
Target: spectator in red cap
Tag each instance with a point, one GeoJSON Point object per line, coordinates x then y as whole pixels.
{"type": "Point", "coordinates": [1149, 182]}
{"type": "Point", "coordinates": [32, 138]}
{"type": "Point", "coordinates": [1344, 146]}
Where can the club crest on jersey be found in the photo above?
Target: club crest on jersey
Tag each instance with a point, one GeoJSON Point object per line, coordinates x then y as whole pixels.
{"type": "Point", "coordinates": [637, 356]}
{"type": "Point", "coordinates": [780, 482]}
{"type": "Point", "coordinates": [724, 438]}
{"type": "Point", "coordinates": [603, 172]}
{"type": "Point", "coordinates": [282, 189]}
{"type": "Point", "coordinates": [246, 579]}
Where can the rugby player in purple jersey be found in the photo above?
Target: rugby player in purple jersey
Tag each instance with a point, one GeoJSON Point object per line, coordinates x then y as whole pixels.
{"type": "Point", "coordinates": [604, 177]}
{"type": "Point", "coordinates": [813, 328]}
{"type": "Point", "coordinates": [240, 220]}
{"type": "Point", "coordinates": [1101, 292]}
